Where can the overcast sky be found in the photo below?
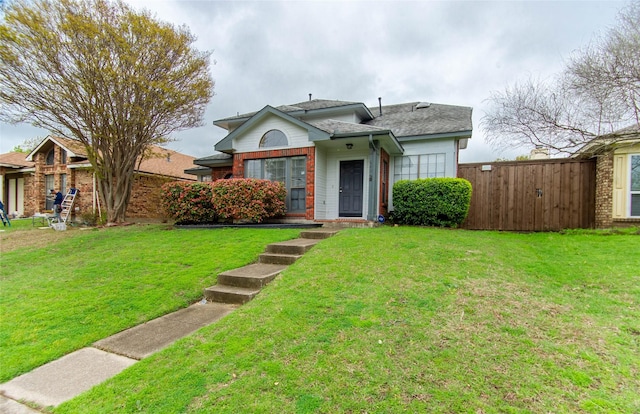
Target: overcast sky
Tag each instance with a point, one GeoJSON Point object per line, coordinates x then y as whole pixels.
{"type": "Point", "coordinates": [448, 52]}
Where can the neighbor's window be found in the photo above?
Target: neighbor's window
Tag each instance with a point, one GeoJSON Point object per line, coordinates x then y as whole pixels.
{"type": "Point", "coordinates": [288, 170]}
{"type": "Point", "coordinates": [634, 193]}
{"type": "Point", "coordinates": [63, 156]}
{"type": "Point", "coordinates": [48, 186]}
{"type": "Point", "coordinates": [51, 157]}
{"type": "Point", "coordinates": [63, 183]}
{"type": "Point", "coordinates": [274, 138]}
{"type": "Point", "coordinates": [411, 167]}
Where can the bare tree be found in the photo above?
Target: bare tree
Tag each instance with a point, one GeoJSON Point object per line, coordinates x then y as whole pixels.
{"type": "Point", "coordinates": [598, 93]}
{"type": "Point", "coordinates": [608, 70]}
{"type": "Point", "coordinates": [117, 80]}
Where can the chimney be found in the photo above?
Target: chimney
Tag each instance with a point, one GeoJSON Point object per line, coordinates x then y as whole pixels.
{"type": "Point", "coordinates": [309, 96]}
{"type": "Point", "coordinates": [380, 105]}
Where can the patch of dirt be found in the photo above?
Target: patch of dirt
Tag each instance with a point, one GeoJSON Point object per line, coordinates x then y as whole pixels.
{"type": "Point", "coordinates": [31, 238]}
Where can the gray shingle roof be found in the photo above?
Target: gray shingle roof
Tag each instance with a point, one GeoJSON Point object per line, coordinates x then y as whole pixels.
{"type": "Point", "coordinates": [301, 106]}
{"type": "Point", "coordinates": [322, 104]}
{"type": "Point", "coordinates": [407, 120]}
{"type": "Point", "coordinates": [403, 120]}
{"type": "Point", "coordinates": [339, 127]}
{"type": "Point", "coordinates": [218, 156]}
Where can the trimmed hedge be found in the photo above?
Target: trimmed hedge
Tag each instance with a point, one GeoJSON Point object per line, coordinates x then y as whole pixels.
{"type": "Point", "coordinates": [442, 202]}
{"type": "Point", "coordinates": [189, 203]}
{"type": "Point", "coordinates": [249, 199]}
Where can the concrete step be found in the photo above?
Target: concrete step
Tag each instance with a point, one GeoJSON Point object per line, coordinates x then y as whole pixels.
{"type": "Point", "coordinates": [230, 294]}
{"type": "Point", "coordinates": [252, 276]}
{"type": "Point", "coordinates": [320, 234]}
{"type": "Point", "coordinates": [279, 259]}
{"type": "Point", "coordinates": [293, 247]}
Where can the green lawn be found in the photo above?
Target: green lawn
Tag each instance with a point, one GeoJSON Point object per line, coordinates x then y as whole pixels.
{"type": "Point", "coordinates": [87, 285]}
{"type": "Point", "coordinates": [400, 319]}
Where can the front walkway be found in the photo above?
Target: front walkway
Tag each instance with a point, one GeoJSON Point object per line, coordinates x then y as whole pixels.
{"type": "Point", "coordinates": [63, 379]}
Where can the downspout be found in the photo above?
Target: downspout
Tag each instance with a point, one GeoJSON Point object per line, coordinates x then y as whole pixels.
{"type": "Point", "coordinates": [374, 164]}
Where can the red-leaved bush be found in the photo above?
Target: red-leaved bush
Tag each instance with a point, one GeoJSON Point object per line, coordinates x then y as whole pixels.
{"type": "Point", "coordinates": [189, 203]}
{"type": "Point", "coordinates": [249, 199]}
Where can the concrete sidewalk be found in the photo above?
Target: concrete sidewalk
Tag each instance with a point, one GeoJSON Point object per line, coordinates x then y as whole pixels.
{"type": "Point", "coordinates": [63, 379]}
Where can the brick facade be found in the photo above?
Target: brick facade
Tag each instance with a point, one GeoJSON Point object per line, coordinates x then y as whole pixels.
{"type": "Point", "coordinates": [309, 152]}
{"type": "Point", "coordinates": [604, 190]}
{"type": "Point", "coordinates": [145, 195]}
{"type": "Point", "coordinates": [220, 173]}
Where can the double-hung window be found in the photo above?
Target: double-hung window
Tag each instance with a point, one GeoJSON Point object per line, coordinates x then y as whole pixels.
{"type": "Point", "coordinates": [411, 167]}
{"type": "Point", "coordinates": [291, 171]}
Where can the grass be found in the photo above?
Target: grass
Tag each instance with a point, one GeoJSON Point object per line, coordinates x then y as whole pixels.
{"type": "Point", "coordinates": [412, 320]}
{"type": "Point", "coordinates": [86, 285]}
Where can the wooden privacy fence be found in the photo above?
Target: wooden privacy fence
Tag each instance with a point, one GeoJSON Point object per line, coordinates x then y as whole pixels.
{"type": "Point", "coordinates": [539, 195]}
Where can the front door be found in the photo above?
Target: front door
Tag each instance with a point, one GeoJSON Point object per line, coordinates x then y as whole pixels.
{"type": "Point", "coordinates": [351, 183]}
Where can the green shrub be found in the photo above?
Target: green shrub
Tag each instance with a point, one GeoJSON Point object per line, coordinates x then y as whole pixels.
{"type": "Point", "coordinates": [442, 202]}
{"type": "Point", "coordinates": [189, 203]}
{"type": "Point", "coordinates": [249, 199]}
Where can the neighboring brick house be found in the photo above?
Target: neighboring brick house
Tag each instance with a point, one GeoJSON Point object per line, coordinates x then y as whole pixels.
{"type": "Point", "coordinates": [339, 160]}
{"type": "Point", "coordinates": [16, 182]}
{"type": "Point", "coordinates": [617, 177]}
{"type": "Point", "coordinates": [62, 163]}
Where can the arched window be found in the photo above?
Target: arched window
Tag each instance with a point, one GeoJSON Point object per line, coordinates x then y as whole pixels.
{"type": "Point", "coordinates": [274, 138]}
{"type": "Point", "coordinates": [50, 157]}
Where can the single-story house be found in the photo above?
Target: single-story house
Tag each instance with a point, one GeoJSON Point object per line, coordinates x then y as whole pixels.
{"type": "Point", "coordinates": [617, 176]}
{"type": "Point", "coordinates": [61, 163]}
{"type": "Point", "coordinates": [339, 160]}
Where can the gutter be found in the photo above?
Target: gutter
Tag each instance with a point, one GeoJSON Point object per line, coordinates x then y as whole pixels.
{"type": "Point", "coordinates": [458, 134]}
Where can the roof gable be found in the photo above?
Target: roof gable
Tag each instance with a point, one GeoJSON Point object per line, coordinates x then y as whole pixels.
{"type": "Point", "coordinates": [226, 144]}
{"type": "Point", "coordinates": [158, 161]}
{"type": "Point", "coordinates": [74, 148]}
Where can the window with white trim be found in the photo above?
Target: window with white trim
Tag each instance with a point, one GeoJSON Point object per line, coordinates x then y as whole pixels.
{"type": "Point", "coordinates": [274, 138]}
{"type": "Point", "coordinates": [634, 185]}
{"type": "Point", "coordinates": [411, 167]}
{"type": "Point", "coordinates": [291, 171]}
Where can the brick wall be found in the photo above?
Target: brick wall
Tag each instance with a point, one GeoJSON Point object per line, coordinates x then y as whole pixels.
{"type": "Point", "coordinates": [30, 207]}
{"type": "Point", "coordinates": [83, 182]}
{"type": "Point", "coordinates": [146, 194]}
{"type": "Point", "coordinates": [219, 173]}
{"type": "Point", "coordinates": [41, 170]}
{"type": "Point", "coordinates": [604, 190]}
{"type": "Point", "coordinates": [309, 152]}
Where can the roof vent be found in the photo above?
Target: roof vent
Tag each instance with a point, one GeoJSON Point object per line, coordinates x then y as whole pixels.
{"type": "Point", "coordinates": [422, 105]}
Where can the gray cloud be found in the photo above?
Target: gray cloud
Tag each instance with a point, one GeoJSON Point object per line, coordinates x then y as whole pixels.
{"type": "Point", "coordinates": [277, 52]}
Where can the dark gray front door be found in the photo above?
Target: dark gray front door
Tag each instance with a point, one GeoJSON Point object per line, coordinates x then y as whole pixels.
{"type": "Point", "coordinates": [351, 179]}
